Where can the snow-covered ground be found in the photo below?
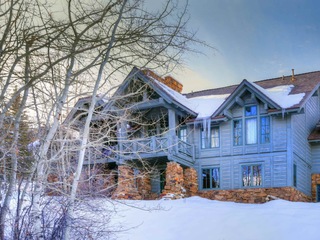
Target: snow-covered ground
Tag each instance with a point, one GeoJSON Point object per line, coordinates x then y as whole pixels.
{"type": "Point", "coordinates": [198, 218]}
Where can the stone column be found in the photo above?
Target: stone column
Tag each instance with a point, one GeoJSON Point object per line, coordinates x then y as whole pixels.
{"type": "Point", "coordinates": [174, 180]}
{"type": "Point", "coordinates": [144, 185]}
{"type": "Point", "coordinates": [191, 181]}
{"type": "Point", "coordinates": [126, 187]}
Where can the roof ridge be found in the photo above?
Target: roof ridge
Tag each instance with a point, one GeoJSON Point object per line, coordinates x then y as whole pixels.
{"type": "Point", "coordinates": [258, 81]}
{"type": "Point", "coordinates": [298, 74]}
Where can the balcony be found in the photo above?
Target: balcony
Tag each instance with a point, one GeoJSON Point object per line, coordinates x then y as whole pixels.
{"type": "Point", "coordinates": [147, 148]}
{"type": "Point", "coordinates": [173, 148]}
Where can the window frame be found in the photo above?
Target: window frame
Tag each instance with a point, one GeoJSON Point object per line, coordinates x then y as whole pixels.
{"type": "Point", "coordinates": [206, 142]}
{"type": "Point", "coordinates": [240, 131]}
{"type": "Point", "coordinates": [210, 177]}
{"type": "Point", "coordinates": [267, 133]}
{"type": "Point", "coordinates": [252, 115]}
{"type": "Point", "coordinates": [183, 137]}
{"type": "Point", "coordinates": [251, 165]}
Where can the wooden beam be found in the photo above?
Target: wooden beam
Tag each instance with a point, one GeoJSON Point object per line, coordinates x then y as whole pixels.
{"type": "Point", "coordinates": [239, 101]}
{"type": "Point", "coordinates": [227, 113]}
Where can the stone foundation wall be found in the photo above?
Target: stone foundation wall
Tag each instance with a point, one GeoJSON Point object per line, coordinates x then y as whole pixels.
{"type": "Point", "coordinates": [255, 195]}
{"type": "Point", "coordinates": [315, 179]}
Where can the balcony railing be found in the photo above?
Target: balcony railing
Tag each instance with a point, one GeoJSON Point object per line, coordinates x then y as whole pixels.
{"type": "Point", "coordinates": [145, 147]}
{"type": "Point", "coordinates": [157, 145]}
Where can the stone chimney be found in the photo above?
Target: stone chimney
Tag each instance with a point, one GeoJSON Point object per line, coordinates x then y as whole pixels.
{"type": "Point", "coordinates": [168, 80]}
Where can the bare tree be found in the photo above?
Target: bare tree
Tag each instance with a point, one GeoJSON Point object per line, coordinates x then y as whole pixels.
{"type": "Point", "coordinates": [48, 53]}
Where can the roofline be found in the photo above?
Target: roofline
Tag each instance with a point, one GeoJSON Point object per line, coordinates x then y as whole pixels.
{"type": "Point", "coordinates": [258, 81]}
{"type": "Point", "coordinates": [239, 87]}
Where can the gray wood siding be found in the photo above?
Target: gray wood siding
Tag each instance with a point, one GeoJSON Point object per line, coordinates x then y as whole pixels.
{"type": "Point", "coordinates": [274, 171]}
{"type": "Point", "coordinates": [315, 156]}
{"type": "Point", "coordinates": [279, 133]}
{"type": "Point", "coordinates": [303, 175]}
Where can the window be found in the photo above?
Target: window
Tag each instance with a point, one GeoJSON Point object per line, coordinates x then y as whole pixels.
{"type": "Point", "coordinates": [295, 175]}
{"type": "Point", "coordinates": [183, 134]}
{"type": "Point", "coordinates": [251, 111]}
{"type": "Point", "coordinates": [211, 178]}
{"type": "Point", "coordinates": [251, 175]}
{"type": "Point", "coordinates": [265, 129]}
{"type": "Point", "coordinates": [211, 139]}
{"type": "Point", "coordinates": [215, 142]}
{"type": "Point", "coordinates": [237, 132]}
{"type": "Point", "coordinates": [251, 124]}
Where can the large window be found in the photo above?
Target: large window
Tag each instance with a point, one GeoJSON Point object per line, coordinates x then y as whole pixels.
{"type": "Point", "coordinates": [237, 132]}
{"type": "Point", "coordinates": [251, 175]}
{"type": "Point", "coordinates": [210, 139]}
{"type": "Point", "coordinates": [211, 178]}
{"type": "Point", "coordinates": [250, 128]}
{"type": "Point", "coordinates": [251, 124]}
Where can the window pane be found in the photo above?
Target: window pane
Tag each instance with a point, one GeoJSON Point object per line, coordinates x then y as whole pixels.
{"type": "Point", "coordinates": [215, 178]}
{"type": "Point", "coordinates": [265, 130]}
{"type": "Point", "coordinates": [183, 134]}
{"type": "Point", "coordinates": [205, 178]}
{"type": "Point", "coordinates": [214, 137]}
{"type": "Point", "coordinates": [256, 175]}
{"type": "Point", "coordinates": [246, 172]}
{"type": "Point", "coordinates": [251, 111]}
{"type": "Point", "coordinates": [251, 131]}
{"type": "Point", "coordinates": [203, 138]}
{"type": "Point", "coordinates": [237, 132]}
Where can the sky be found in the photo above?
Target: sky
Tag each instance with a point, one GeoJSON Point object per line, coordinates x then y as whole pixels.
{"type": "Point", "coordinates": [253, 40]}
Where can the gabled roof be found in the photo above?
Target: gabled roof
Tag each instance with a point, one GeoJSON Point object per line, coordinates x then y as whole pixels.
{"type": "Point", "coordinates": [283, 94]}
{"type": "Point", "coordinates": [287, 93]}
{"type": "Point", "coordinates": [168, 94]}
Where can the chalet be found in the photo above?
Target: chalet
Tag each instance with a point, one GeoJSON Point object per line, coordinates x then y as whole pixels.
{"type": "Point", "coordinates": [241, 143]}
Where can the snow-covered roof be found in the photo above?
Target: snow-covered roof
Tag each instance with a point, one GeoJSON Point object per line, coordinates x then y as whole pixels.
{"type": "Point", "coordinates": [281, 95]}
{"type": "Point", "coordinates": [204, 106]}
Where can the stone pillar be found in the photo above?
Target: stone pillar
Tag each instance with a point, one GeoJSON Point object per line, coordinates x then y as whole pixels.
{"type": "Point", "coordinates": [174, 180]}
{"type": "Point", "coordinates": [315, 180]}
{"type": "Point", "coordinates": [144, 185]}
{"type": "Point", "coordinates": [126, 187]}
{"type": "Point", "coordinates": [191, 181]}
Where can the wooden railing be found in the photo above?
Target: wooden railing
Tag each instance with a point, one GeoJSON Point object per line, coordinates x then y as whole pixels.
{"type": "Point", "coordinates": [154, 145]}
{"type": "Point", "coordinates": [138, 148]}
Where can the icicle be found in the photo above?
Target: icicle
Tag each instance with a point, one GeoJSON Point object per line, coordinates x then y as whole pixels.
{"type": "Point", "coordinates": [208, 127]}
{"type": "Point", "coordinates": [283, 112]}
{"type": "Point", "coordinates": [204, 126]}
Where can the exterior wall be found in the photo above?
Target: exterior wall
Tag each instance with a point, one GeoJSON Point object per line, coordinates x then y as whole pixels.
{"type": "Point", "coordinates": [257, 195]}
{"type": "Point", "coordinates": [273, 156]}
{"type": "Point", "coordinates": [302, 125]}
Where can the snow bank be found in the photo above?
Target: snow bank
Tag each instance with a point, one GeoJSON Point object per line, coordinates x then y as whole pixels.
{"type": "Point", "coordinates": [198, 218]}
